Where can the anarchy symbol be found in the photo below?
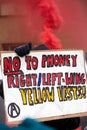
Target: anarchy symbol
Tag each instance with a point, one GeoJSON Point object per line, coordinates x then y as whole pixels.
{"type": "Point", "coordinates": [13, 110]}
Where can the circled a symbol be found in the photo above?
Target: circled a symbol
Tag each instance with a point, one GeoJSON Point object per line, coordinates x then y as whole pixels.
{"type": "Point", "coordinates": [13, 110]}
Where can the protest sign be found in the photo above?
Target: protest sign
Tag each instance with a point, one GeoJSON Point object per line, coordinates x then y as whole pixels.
{"type": "Point", "coordinates": [44, 84]}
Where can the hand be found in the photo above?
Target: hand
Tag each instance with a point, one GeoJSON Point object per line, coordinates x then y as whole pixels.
{"type": "Point", "coordinates": [23, 49]}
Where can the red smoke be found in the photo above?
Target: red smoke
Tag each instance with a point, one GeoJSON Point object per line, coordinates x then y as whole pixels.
{"type": "Point", "coordinates": [49, 38]}
{"type": "Point", "coordinates": [51, 20]}
{"type": "Point", "coordinates": [49, 12]}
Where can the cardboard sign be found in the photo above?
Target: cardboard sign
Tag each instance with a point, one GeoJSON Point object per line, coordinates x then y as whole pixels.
{"type": "Point", "coordinates": [44, 84]}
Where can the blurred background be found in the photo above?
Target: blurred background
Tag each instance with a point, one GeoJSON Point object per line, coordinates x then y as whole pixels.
{"type": "Point", "coordinates": [20, 23]}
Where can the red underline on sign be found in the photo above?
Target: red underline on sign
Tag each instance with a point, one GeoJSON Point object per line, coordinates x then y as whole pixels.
{"type": "Point", "coordinates": [13, 73]}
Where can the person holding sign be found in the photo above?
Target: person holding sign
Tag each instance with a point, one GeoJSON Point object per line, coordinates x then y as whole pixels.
{"type": "Point", "coordinates": [62, 124]}
{"type": "Point", "coordinates": [52, 20]}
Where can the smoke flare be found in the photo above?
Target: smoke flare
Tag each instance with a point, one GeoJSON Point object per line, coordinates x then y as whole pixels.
{"type": "Point", "coordinates": [52, 20]}
{"type": "Point", "coordinates": [51, 41]}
